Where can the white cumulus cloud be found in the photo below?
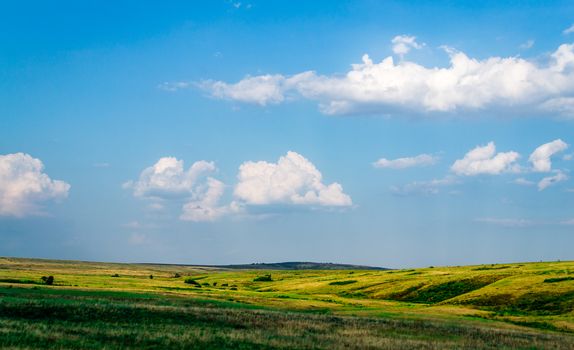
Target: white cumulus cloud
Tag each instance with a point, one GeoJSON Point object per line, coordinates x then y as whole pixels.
{"type": "Point", "coordinates": [540, 158]}
{"type": "Point", "coordinates": [406, 162]}
{"type": "Point", "coordinates": [24, 185]}
{"type": "Point", "coordinates": [292, 180]}
{"type": "Point", "coordinates": [485, 160]}
{"type": "Point", "coordinates": [551, 180]}
{"type": "Point", "coordinates": [167, 180]}
{"type": "Point", "coordinates": [402, 44]}
{"type": "Point", "coordinates": [512, 84]}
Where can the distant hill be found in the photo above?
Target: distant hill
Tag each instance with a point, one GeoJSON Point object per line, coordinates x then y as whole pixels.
{"type": "Point", "coordinates": [298, 265]}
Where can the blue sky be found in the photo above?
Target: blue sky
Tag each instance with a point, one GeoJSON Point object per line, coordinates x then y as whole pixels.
{"type": "Point", "coordinates": [253, 131]}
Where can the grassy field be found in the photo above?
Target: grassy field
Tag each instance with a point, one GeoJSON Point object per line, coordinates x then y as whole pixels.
{"type": "Point", "coordinates": [97, 305]}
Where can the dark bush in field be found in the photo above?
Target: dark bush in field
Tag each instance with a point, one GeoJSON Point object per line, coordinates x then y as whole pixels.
{"type": "Point", "coordinates": [191, 281]}
{"type": "Point", "coordinates": [264, 278]}
{"type": "Point", "coordinates": [436, 293]}
{"type": "Point", "coordinates": [342, 283]}
{"type": "Point", "coordinates": [151, 277]}
{"type": "Point", "coordinates": [176, 275]}
{"type": "Point", "coordinates": [115, 275]}
{"type": "Point", "coordinates": [558, 279]}
{"type": "Point", "coordinates": [49, 280]}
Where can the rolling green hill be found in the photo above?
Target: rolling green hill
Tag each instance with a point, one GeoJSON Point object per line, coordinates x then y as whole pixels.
{"type": "Point", "coordinates": [290, 265]}
{"type": "Point", "coordinates": [491, 304]}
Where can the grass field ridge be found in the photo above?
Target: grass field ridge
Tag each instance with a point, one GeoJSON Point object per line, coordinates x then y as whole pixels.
{"type": "Point", "coordinates": [490, 304]}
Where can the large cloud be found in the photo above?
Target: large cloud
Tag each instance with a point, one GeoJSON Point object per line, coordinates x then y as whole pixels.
{"type": "Point", "coordinates": [406, 162]}
{"type": "Point", "coordinates": [24, 186]}
{"type": "Point", "coordinates": [467, 84]}
{"type": "Point", "coordinates": [167, 180]}
{"type": "Point", "coordinates": [292, 180]}
{"type": "Point", "coordinates": [540, 158]}
{"type": "Point", "coordinates": [485, 160]}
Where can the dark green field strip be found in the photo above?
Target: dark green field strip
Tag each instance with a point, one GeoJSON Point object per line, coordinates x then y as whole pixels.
{"type": "Point", "coordinates": [436, 293]}
{"type": "Point", "coordinates": [546, 303]}
{"type": "Point", "coordinates": [93, 320]}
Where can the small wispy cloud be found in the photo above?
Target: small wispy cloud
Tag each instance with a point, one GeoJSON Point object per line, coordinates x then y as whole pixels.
{"type": "Point", "coordinates": [174, 86]}
{"type": "Point", "coordinates": [137, 225]}
{"type": "Point", "coordinates": [506, 222]}
{"type": "Point", "coordinates": [425, 187]}
{"type": "Point", "coordinates": [527, 45]}
{"type": "Point", "coordinates": [552, 180]}
{"type": "Point", "coordinates": [523, 182]}
{"type": "Point", "coordinates": [569, 30]}
{"type": "Point", "coordinates": [138, 239]}
{"type": "Point", "coordinates": [406, 162]}
{"type": "Point", "coordinates": [403, 44]}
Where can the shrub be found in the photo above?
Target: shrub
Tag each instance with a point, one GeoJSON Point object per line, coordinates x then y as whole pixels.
{"type": "Point", "coordinates": [176, 275]}
{"type": "Point", "coordinates": [191, 281]}
{"type": "Point", "coordinates": [115, 275]}
{"type": "Point", "coordinates": [224, 284]}
{"type": "Point", "coordinates": [205, 284]}
{"type": "Point", "coordinates": [264, 278]}
{"type": "Point", "coordinates": [48, 280]}
{"type": "Point", "coordinates": [558, 279]}
{"type": "Point", "coordinates": [342, 283]}
{"type": "Point", "coordinates": [151, 277]}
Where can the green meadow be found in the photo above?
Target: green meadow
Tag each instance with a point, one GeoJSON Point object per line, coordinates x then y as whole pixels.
{"type": "Point", "coordinates": [108, 305]}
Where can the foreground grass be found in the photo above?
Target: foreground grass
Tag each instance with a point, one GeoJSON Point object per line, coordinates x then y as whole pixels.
{"type": "Point", "coordinates": [96, 305]}
{"type": "Point", "coordinates": [53, 319]}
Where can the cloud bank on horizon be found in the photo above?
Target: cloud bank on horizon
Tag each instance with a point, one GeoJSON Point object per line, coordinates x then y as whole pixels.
{"type": "Point", "coordinates": [509, 84]}
{"type": "Point", "coordinates": [292, 180]}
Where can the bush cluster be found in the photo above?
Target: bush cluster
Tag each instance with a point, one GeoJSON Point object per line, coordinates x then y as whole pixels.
{"type": "Point", "coordinates": [264, 278]}
{"type": "Point", "coordinates": [48, 280]}
{"type": "Point", "coordinates": [192, 281]}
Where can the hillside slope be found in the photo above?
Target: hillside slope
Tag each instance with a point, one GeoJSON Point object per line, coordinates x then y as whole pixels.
{"type": "Point", "coordinates": [539, 295]}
